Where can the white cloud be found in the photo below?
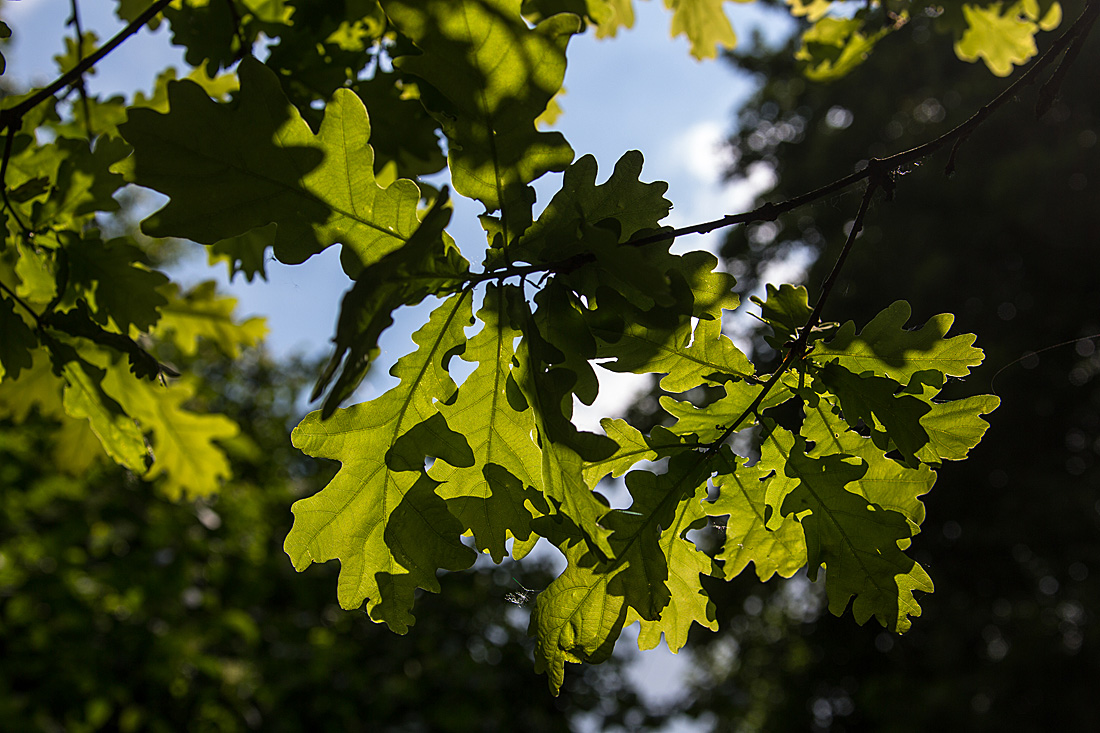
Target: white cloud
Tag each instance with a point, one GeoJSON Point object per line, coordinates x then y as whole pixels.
{"type": "Point", "coordinates": [618, 391]}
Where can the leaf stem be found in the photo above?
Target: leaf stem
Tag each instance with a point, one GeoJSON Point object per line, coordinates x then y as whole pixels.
{"type": "Point", "coordinates": [878, 175]}
{"type": "Point", "coordinates": [11, 293]}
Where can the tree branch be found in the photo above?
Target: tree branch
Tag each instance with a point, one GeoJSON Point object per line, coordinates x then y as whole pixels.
{"type": "Point", "coordinates": [879, 177]}
{"type": "Point", "coordinates": [771, 211]}
{"type": "Point", "coordinates": [11, 118]}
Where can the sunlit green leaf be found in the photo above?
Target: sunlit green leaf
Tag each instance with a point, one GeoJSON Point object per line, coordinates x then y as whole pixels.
{"type": "Point", "coordinates": [704, 23]}
{"type": "Point", "coordinates": [488, 497]}
{"type": "Point", "coordinates": [857, 541]}
{"type": "Point", "coordinates": [203, 314]}
{"type": "Point", "coordinates": [886, 348]}
{"type": "Point", "coordinates": [232, 168]}
{"type": "Point", "coordinates": [184, 444]}
{"type": "Point", "coordinates": [1004, 38]}
{"type": "Point", "coordinates": [487, 77]}
{"type": "Point", "coordinates": [17, 341]}
{"type": "Point", "coordinates": [389, 528]}
{"type": "Point", "coordinates": [754, 531]}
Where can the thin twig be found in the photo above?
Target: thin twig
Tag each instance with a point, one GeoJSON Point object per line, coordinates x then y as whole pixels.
{"type": "Point", "coordinates": [1049, 91]}
{"type": "Point", "coordinates": [11, 118]}
{"type": "Point", "coordinates": [798, 348]}
{"type": "Point", "coordinates": [75, 20]}
{"type": "Point", "coordinates": [4, 189]}
{"type": "Point", "coordinates": [11, 293]}
{"type": "Point", "coordinates": [771, 211]}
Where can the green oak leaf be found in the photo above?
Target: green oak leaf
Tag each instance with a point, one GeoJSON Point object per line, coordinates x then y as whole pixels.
{"type": "Point", "coordinates": [404, 138]}
{"type": "Point", "coordinates": [184, 450]}
{"type": "Point", "coordinates": [634, 205]}
{"type": "Point", "coordinates": [38, 388]}
{"type": "Point", "coordinates": [428, 264]}
{"type": "Point", "coordinates": [856, 540]}
{"type": "Point", "coordinates": [579, 616]}
{"type": "Point", "coordinates": [97, 116]}
{"type": "Point", "coordinates": [549, 377]}
{"type": "Point", "coordinates": [786, 310]}
{"type": "Point", "coordinates": [776, 549]}
{"type": "Point", "coordinates": [85, 396]}
{"type": "Point", "coordinates": [955, 427]}
{"type": "Point", "coordinates": [835, 46]}
{"type": "Point", "coordinates": [1004, 38]}
{"type": "Point", "coordinates": [488, 496]}
{"type": "Point", "coordinates": [686, 357]}
{"type": "Point", "coordinates": [30, 189]}
{"type": "Point", "coordinates": [216, 34]}
{"type": "Point", "coordinates": [76, 49]}
{"type": "Point", "coordinates": [85, 183]}
{"type": "Point", "coordinates": [704, 23]}
{"type": "Point", "coordinates": [17, 342]}
{"type": "Point", "coordinates": [875, 401]}
{"type": "Point", "coordinates": [549, 393]}
{"type": "Point", "coordinates": [575, 620]}
{"type": "Point", "coordinates": [688, 601]}
{"type": "Point", "coordinates": [230, 168]}
{"type": "Point", "coordinates": [202, 314]}
{"type": "Point", "coordinates": [709, 423]}
{"type": "Point", "coordinates": [886, 349]}
{"type": "Point", "coordinates": [887, 483]}
{"type": "Point", "coordinates": [389, 528]}
{"type": "Point", "coordinates": [245, 253]}
{"type": "Point", "coordinates": [77, 321]}
{"type": "Point", "coordinates": [35, 271]}
{"type": "Point", "coordinates": [564, 338]}
{"type": "Point", "coordinates": [217, 87]}
{"type": "Point", "coordinates": [812, 10]}
{"type": "Point", "coordinates": [487, 77]}
{"type": "Point", "coordinates": [633, 448]}
{"type": "Point", "coordinates": [76, 447]}
{"type": "Point", "coordinates": [31, 162]}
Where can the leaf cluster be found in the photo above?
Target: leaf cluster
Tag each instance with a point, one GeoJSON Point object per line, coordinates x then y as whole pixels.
{"type": "Point", "coordinates": [324, 143]}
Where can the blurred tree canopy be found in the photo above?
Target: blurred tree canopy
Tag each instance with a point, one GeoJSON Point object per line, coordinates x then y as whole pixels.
{"type": "Point", "coordinates": [121, 610]}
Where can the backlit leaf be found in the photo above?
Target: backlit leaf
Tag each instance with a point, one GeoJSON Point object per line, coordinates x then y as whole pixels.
{"type": "Point", "coordinates": [1004, 38]}
{"type": "Point", "coordinates": [488, 497]}
{"type": "Point", "coordinates": [17, 341]}
{"type": "Point", "coordinates": [886, 349]}
{"type": "Point", "coordinates": [203, 314]}
{"type": "Point", "coordinates": [857, 541]}
{"type": "Point", "coordinates": [488, 76]}
{"type": "Point", "coordinates": [230, 168]}
{"type": "Point", "coordinates": [389, 528]}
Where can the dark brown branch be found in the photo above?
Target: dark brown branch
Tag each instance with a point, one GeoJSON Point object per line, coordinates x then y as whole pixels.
{"type": "Point", "coordinates": [11, 118]}
{"type": "Point", "coordinates": [879, 179]}
{"type": "Point", "coordinates": [771, 211]}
